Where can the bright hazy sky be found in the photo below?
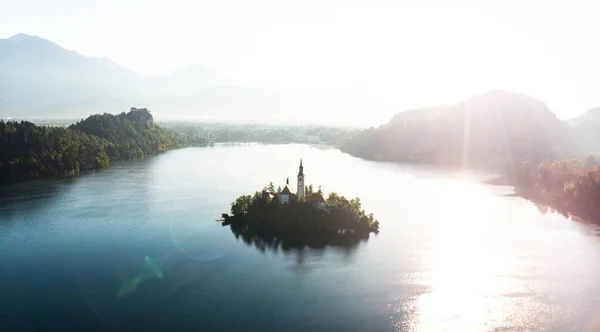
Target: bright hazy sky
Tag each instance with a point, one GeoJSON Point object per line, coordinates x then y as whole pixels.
{"type": "Point", "coordinates": [410, 53]}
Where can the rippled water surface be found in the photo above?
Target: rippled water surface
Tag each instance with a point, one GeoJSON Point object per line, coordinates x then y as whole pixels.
{"type": "Point", "coordinates": [136, 248]}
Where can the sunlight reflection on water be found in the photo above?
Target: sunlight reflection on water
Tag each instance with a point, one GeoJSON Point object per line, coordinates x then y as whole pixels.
{"type": "Point", "coordinates": [473, 282]}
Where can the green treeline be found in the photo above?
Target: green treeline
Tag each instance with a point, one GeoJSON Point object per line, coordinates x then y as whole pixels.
{"type": "Point", "coordinates": [566, 185]}
{"type": "Point", "coordinates": [264, 133]}
{"type": "Point", "coordinates": [335, 221]}
{"type": "Point", "coordinates": [28, 151]}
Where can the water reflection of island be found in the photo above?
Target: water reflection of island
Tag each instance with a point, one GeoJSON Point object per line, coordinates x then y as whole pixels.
{"type": "Point", "coordinates": [264, 240]}
{"type": "Point", "coordinates": [280, 219]}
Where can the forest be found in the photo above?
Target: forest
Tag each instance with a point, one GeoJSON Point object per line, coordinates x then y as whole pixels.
{"type": "Point", "coordinates": [29, 151]}
{"type": "Point", "coordinates": [569, 186]}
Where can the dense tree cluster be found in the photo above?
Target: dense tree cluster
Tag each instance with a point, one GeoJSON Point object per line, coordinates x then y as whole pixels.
{"type": "Point", "coordinates": [28, 151]}
{"type": "Point", "coordinates": [128, 135]}
{"type": "Point", "coordinates": [337, 220]}
{"type": "Point", "coordinates": [566, 185]}
{"type": "Point", "coordinates": [582, 195]}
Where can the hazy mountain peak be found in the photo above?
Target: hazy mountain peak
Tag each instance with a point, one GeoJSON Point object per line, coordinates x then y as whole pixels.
{"type": "Point", "coordinates": [591, 118]}
{"type": "Point", "coordinates": [21, 36]}
{"type": "Point", "coordinates": [489, 129]}
{"type": "Point", "coordinates": [490, 102]}
{"type": "Point", "coordinates": [503, 96]}
{"type": "Point", "coordinates": [40, 77]}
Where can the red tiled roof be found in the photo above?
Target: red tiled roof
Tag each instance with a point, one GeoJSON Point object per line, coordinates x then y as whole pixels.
{"type": "Point", "coordinates": [286, 191]}
{"type": "Point", "coordinates": [316, 198]}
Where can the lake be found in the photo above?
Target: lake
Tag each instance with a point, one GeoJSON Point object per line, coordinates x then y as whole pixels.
{"type": "Point", "coordinates": [136, 248]}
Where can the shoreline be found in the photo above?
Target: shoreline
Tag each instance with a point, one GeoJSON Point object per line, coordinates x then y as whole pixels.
{"type": "Point", "coordinates": [557, 204]}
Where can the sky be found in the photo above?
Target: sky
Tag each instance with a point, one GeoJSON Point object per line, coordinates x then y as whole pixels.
{"type": "Point", "coordinates": [394, 54]}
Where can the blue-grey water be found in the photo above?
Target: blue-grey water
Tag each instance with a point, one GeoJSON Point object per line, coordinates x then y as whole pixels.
{"type": "Point", "coordinates": [452, 255]}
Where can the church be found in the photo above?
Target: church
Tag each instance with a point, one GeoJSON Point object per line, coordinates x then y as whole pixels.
{"type": "Point", "coordinates": [286, 196]}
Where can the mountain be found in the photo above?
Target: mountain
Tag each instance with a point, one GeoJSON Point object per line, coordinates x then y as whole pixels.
{"type": "Point", "coordinates": [587, 127]}
{"type": "Point", "coordinates": [588, 120]}
{"type": "Point", "coordinates": [41, 78]}
{"type": "Point", "coordinates": [486, 130]}
{"type": "Point", "coordinates": [37, 72]}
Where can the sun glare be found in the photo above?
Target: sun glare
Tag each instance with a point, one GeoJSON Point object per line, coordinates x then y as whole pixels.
{"type": "Point", "coordinates": [463, 264]}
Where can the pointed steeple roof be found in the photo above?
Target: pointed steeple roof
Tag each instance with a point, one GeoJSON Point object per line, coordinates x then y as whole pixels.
{"type": "Point", "coordinates": [301, 169]}
{"type": "Point", "coordinates": [286, 191]}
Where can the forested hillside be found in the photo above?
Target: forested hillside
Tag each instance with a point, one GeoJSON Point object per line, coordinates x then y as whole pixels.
{"type": "Point", "coordinates": [489, 130]}
{"type": "Point", "coordinates": [130, 135]}
{"type": "Point", "coordinates": [28, 151]}
{"type": "Point", "coordinates": [569, 186]}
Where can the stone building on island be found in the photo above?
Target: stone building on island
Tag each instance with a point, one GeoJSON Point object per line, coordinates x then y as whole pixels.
{"type": "Point", "coordinates": [286, 195]}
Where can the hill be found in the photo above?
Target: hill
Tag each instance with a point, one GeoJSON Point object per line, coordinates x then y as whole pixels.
{"type": "Point", "coordinates": [28, 151]}
{"type": "Point", "coordinates": [487, 130]}
{"type": "Point", "coordinates": [587, 127]}
{"type": "Point", "coordinates": [41, 78]}
{"type": "Point", "coordinates": [37, 73]}
{"type": "Point", "coordinates": [590, 118]}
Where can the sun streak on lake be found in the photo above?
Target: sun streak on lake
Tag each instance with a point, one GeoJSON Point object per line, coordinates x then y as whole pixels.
{"type": "Point", "coordinates": [463, 267]}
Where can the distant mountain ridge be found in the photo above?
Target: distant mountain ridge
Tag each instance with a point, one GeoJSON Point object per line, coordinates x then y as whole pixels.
{"type": "Point", "coordinates": [592, 116]}
{"type": "Point", "coordinates": [41, 78]}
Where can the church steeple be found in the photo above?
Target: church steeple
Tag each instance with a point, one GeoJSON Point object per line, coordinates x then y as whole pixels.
{"type": "Point", "coordinates": [300, 191]}
{"type": "Point", "coordinates": [301, 169]}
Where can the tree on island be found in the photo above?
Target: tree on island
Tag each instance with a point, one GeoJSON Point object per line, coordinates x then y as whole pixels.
{"type": "Point", "coordinates": [301, 222]}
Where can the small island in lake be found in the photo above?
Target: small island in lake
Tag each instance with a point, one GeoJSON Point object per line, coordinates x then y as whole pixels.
{"type": "Point", "coordinates": [278, 216]}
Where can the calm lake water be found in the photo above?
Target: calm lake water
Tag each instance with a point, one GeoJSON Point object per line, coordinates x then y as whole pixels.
{"type": "Point", "coordinates": [136, 248]}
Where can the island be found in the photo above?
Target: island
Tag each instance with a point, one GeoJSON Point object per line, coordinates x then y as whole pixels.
{"type": "Point", "coordinates": [278, 216]}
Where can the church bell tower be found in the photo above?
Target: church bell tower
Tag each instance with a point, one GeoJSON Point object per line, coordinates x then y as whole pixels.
{"type": "Point", "coordinates": [300, 191]}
